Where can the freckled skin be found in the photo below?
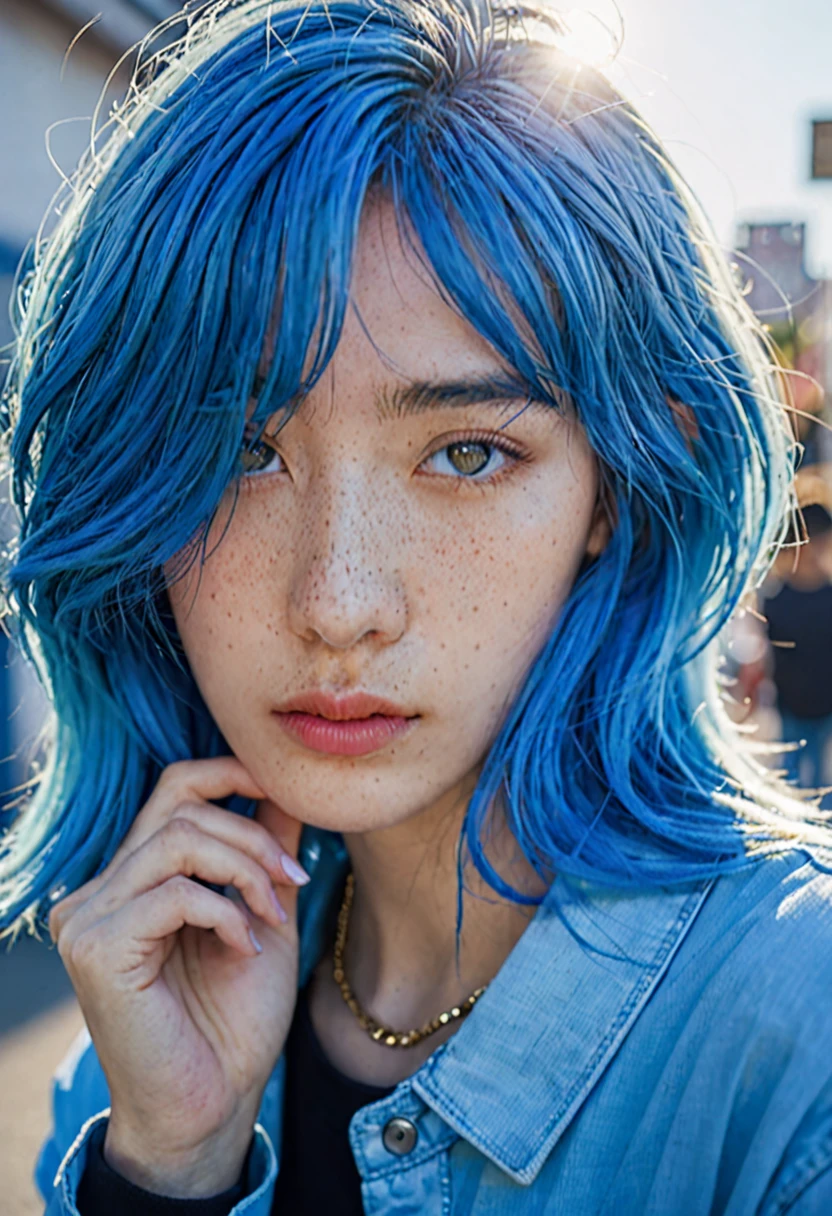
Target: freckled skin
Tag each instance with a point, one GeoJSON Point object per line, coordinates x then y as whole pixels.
{"type": "Point", "coordinates": [355, 565]}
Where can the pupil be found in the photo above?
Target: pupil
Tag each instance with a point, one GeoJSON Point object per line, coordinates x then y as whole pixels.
{"type": "Point", "coordinates": [256, 457]}
{"type": "Point", "coordinates": [468, 457]}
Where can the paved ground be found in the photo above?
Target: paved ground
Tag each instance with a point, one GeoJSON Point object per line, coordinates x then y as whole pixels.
{"type": "Point", "coordinates": [38, 1020]}
{"type": "Point", "coordinates": [32, 980]}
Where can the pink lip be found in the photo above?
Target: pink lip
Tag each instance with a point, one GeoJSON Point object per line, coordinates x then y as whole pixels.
{"type": "Point", "coordinates": [354, 725]}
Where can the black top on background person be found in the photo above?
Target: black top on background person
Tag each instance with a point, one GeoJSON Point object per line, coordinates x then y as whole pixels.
{"type": "Point", "coordinates": [799, 618]}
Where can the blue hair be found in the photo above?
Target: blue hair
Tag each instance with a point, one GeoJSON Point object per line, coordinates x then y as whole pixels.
{"type": "Point", "coordinates": [217, 215]}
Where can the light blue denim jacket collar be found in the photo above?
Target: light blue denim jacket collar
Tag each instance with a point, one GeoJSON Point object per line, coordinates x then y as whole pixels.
{"type": "Point", "coordinates": [513, 1076]}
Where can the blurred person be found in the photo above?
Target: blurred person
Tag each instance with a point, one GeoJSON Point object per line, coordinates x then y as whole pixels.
{"type": "Point", "coordinates": [798, 608]}
{"type": "Point", "coordinates": [390, 450]}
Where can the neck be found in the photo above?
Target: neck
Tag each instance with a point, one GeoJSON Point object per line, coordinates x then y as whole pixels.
{"type": "Point", "coordinates": [401, 954]}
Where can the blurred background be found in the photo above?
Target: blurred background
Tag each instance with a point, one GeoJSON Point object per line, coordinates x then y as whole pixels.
{"type": "Point", "coordinates": [741, 93]}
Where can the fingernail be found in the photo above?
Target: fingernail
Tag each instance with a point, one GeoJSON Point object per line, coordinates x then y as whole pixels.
{"type": "Point", "coordinates": [255, 942]}
{"type": "Point", "coordinates": [293, 870]}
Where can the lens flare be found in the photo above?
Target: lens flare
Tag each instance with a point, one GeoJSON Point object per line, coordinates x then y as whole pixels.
{"type": "Point", "coordinates": [587, 39]}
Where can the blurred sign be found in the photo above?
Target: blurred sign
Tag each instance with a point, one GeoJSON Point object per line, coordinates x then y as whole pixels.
{"type": "Point", "coordinates": [822, 148]}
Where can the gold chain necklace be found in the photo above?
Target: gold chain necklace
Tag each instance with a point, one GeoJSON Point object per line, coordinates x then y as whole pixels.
{"type": "Point", "coordinates": [381, 1034]}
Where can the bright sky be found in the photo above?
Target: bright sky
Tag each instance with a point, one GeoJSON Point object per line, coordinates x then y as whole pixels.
{"type": "Point", "coordinates": [731, 86]}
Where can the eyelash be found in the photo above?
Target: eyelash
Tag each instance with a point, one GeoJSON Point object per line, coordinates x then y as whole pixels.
{"type": "Point", "coordinates": [515, 454]}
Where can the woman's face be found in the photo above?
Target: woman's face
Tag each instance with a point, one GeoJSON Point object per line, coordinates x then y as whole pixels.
{"type": "Point", "coordinates": [411, 534]}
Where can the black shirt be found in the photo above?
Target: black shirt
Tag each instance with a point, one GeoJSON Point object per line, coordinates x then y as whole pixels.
{"type": "Point", "coordinates": [319, 1102]}
{"type": "Point", "coordinates": [803, 666]}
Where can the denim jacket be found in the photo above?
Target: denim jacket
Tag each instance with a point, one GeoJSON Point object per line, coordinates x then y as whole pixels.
{"type": "Point", "coordinates": [671, 1055]}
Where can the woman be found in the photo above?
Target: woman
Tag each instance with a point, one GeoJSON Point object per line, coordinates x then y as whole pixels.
{"type": "Point", "coordinates": [390, 449]}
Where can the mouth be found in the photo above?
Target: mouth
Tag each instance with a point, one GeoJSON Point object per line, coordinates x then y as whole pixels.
{"type": "Point", "coordinates": [354, 725]}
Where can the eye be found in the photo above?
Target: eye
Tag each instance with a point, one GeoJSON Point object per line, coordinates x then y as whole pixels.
{"type": "Point", "coordinates": [259, 455]}
{"type": "Point", "coordinates": [472, 459]}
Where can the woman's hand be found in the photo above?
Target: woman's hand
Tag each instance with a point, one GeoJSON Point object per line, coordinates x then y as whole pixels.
{"type": "Point", "coordinates": [187, 1015]}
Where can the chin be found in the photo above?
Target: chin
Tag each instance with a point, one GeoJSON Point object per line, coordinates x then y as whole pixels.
{"type": "Point", "coordinates": [347, 821]}
{"type": "Point", "coordinates": [347, 802]}
{"type": "Point", "coordinates": [349, 795]}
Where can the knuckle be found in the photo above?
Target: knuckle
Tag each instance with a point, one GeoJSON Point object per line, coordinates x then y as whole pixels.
{"type": "Point", "coordinates": [61, 913]}
{"type": "Point", "coordinates": [180, 834]}
{"type": "Point", "coordinates": [83, 952]}
{"type": "Point", "coordinates": [174, 776]}
{"type": "Point", "coordinates": [179, 889]}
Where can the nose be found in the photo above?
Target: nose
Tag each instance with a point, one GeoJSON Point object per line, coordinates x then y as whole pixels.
{"type": "Point", "coordinates": [346, 580]}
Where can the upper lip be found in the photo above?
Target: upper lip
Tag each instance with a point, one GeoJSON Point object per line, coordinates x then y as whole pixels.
{"type": "Point", "coordinates": [342, 709]}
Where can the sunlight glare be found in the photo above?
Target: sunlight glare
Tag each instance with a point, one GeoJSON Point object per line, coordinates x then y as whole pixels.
{"type": "Point", "coordinates": [587, 39]}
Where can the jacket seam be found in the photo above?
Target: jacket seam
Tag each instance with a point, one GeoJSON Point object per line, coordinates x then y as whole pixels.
{"type": "Point", "coordinates": [61, 1179]}
{"type": "Point", "coordinates": [804, 1172]}
{"type": "Point", "coordinates": [400, 1166]}
{"type": "Point", "coordinates": [270, 1172]}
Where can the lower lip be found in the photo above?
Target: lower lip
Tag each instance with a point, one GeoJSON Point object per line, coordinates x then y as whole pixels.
{"type": "Point", "coordinates": [356, 737]}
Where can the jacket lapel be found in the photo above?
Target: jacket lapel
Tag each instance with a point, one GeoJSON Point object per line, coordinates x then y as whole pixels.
{"type": "Point", "coordinates": [512, 1078]}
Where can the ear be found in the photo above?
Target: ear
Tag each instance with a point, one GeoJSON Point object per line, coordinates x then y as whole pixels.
{"type": "Point", "coordinates": [603, 520]}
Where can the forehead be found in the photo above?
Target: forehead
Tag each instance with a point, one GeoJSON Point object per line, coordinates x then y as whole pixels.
{"type": "Point", "coordinates": [398, 325]}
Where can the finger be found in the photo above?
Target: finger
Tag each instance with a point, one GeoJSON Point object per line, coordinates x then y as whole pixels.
{"type": "Point", "coordinates": [190, 781]}
{"type": "Point", "coordinates": [210, 779]}
{"type": "Point", "coordinates": [163, 911]}
{"type": "Point", "coordinates": [181, 848]}
{"type": "Point", "coordinates": [187, 780]}
{"type": "Point", "coordinates": [249, 835]}
{"type": "Point", "coordinates": [62, 911]}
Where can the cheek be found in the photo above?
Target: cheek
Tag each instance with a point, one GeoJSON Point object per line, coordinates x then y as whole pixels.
{"type": "Point", "coordinates": [492, 594]}
{"type": "Point", "coordinates": [222, 617]}
{"type": "Point", "coordinates": [521, 563]}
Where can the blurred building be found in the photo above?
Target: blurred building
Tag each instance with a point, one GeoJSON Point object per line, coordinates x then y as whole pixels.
{"type": "Point", "coordinates": [44, 90]}
{"type": "Point", "coordinates": [797, 311]}
{"type": "Point", "coordinates": [783, 658]}
{"type": "Point", "coordinates": [51, 78]}
{"type": "Point", "coordinates": [48, 92]}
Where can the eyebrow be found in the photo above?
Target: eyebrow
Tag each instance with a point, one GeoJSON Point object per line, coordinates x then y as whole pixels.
{"type": "Point", "coordinates": [424, 395]}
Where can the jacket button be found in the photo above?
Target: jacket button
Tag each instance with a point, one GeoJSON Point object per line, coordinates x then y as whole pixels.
{"type": "Point", "coordinates": [399, 1136]}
